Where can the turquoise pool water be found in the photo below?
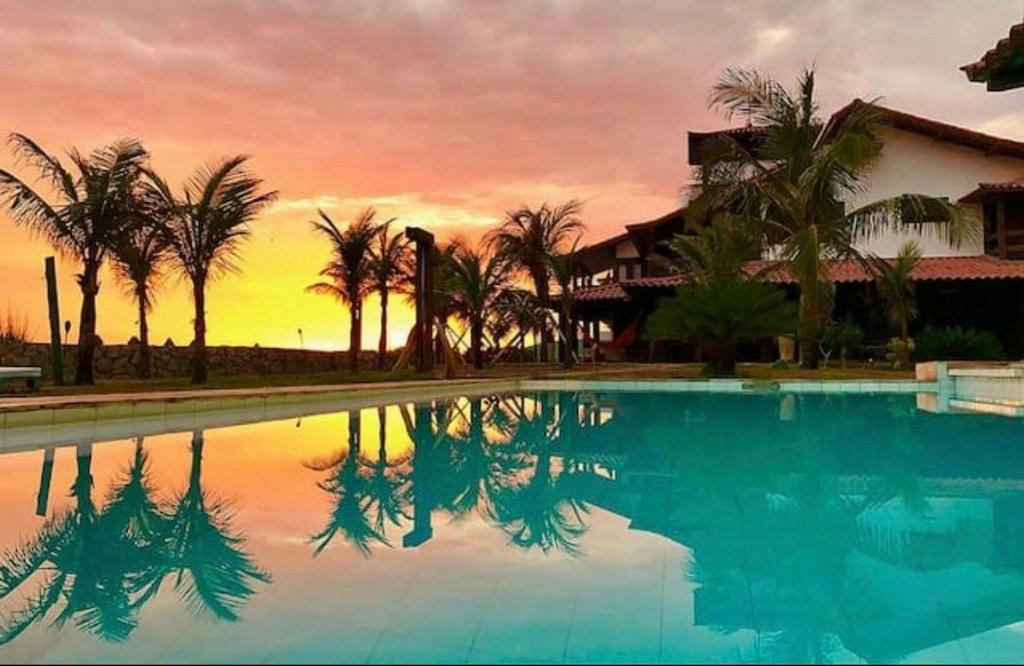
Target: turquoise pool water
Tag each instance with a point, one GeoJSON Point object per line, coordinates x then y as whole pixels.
{"type": "Point", "coordinates": [547, 527]}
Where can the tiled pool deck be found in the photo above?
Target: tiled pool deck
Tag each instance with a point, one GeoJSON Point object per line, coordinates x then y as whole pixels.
{"type": "Point", "coordinates": [27, 421]}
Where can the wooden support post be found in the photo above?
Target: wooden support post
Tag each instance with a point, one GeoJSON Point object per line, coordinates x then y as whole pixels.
{"type": "Point", "coordinates": [424, 241]}
{"type": "Point", "coordinates": [1001, 228]}
{"type": "Point", "coordinates": [56, 354]}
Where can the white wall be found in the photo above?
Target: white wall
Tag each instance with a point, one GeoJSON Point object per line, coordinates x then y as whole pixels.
{"type": "Point", "coordinates": [915, 164]}
{"type": "Point", "coordinates": [626, 250]}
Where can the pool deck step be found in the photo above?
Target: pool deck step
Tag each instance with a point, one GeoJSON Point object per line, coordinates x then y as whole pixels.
{"type": "Point", "coordinates": [1010, 408]}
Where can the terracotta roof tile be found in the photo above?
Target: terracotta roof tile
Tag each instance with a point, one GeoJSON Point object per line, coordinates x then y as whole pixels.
{"type": "Point", "coordinates": [847, 271]}
{"type": "Point", "coordinates": [978, 194]}
{"type": "Point", "coordinates": [611, 291]}
{"type": "Point", "coordinates": [984, 67]}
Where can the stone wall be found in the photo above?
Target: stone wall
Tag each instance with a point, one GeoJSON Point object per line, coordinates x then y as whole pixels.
{"type": "Point", "coordinates": [120, 361]}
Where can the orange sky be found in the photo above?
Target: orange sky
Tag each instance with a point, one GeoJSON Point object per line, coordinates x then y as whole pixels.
{"type": "Point", "coordinates": [443, 114]}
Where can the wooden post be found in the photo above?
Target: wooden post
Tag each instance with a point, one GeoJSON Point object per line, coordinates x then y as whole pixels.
{"type": "Point", "coordinates": [424, 297]}
{"type": "Point", "coordinates": [56, 354]}
{"type": "Point", "coordinates": [1001, 228]}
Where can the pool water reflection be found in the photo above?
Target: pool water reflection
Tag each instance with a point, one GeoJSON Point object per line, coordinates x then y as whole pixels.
{"type": "Point", "coordinates": [541, 527]}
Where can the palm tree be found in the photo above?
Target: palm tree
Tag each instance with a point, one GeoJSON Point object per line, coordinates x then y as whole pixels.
{"type": "Point", "coordinates": [94, 207]}
{"type": "Point", "coordinates": [522, 309]}
{"type": "Point", "coordinates": [528, 238]}
{"type": "Point", "coordinates": [138, 264]}
{"type": "Point", "coordinates": [476, 280]}
{"type": "Point", "coordinates": [348, 272]}
{"type": "Point", "coordinates": [564, 268]}
{"type": "Point", "coordinates": [720, 306]}
{"type": "Point", "coordinates": [719, 317]}
{"type": "Point", "coordinates": [896, 287]}
{"type": "Point", "coordinates": [389, 264]}
{"type": "Point", "coordinates": [205, 229]}
{"type": "Point", "coordinates": [795, 183]}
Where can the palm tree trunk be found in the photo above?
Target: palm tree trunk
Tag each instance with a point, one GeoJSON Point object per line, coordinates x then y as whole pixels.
{"type": "Point", "coordinates": [540, 285]}
{"type": "Point", "coordinates": [382, 435]}
{"type": "Point", "coordinates": [87, 324]}
{"type": "Point", "coordinates": [200, 371]}
{"type": "Point", "coordinates": [382, 344]}
{"type": "Point", "coordinates": [145, 369]}
{"type": "Point", "coordinates": [196, 468]}
{"type": "Point", "coordinates": [476, 337]}
{"type": "Point", "coordinates": [809, 329]}
{"type": "Point", "coordinates": [354, 337]}
{"type": "Point", "coordinates": [567, 331]}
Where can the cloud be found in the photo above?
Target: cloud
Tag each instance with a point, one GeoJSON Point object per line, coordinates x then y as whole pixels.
{"type": "Point", "coordinates": [446, 113]}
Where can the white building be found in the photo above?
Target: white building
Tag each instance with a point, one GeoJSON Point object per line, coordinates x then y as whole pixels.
{"type": "Point", "coordinates": [978, 283]}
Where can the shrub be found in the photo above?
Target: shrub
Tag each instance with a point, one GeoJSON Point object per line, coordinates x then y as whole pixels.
{"type": "Point", "coordinates": [899, 351]}
{"type": "Point", "coordinates": [13, 328]}
{"type": "Point", "coordinates": [844, 337]}
{"type": "Point", "coordinates": [720, 316]}
{"type": "Point", "coordinates": [956, 343]}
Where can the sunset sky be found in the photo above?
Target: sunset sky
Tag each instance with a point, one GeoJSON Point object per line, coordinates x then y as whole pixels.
{"type": "Point", "coordinates": [441, 113]}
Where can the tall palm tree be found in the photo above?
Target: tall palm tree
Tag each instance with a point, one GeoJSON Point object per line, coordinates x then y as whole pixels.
{"type": "Point", "coordinates": [138, 261]}
{"type": "Point", "coordinates": [204, 231]}
{"type": "Point", "coordinates": [530, 237]}
{"type": "Point", "coordinates": [94, 207]}
{"type": "Point", "coordinates": [476, 281]}
{"type": "Point", "coordinates": [348, 272]}
{"type": "Point", "coordinates": [389, 264]}
{"type": "Point", "coordinates": [795, 183]}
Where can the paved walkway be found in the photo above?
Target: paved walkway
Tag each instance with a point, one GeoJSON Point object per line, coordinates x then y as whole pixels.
{"type": "Point", "coordinates": [29, 401]}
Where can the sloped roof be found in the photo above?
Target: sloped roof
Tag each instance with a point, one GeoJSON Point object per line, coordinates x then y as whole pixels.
{"type": "Point", "coordinates": [940, 131]}
{"type": "Point", "coordinates": [977, 195]}
{"type": "Point", "coordinates": [981, 267]}
{"type": "Point", "coordinates": [988, 69]}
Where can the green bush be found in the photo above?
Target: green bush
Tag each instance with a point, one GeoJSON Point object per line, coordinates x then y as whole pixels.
{"type": "Point", "coordinates": [955, 343]}
{"type": "Point", "coordinates": [842, 338]}
{"type": "Point", "coordinates": [718, 317]}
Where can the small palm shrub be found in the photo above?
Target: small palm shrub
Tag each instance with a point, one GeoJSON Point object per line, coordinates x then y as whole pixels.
{"type": "Point", "coordinates": [957, 343]}
{"type": "Point", "coordinates": [720, 316]}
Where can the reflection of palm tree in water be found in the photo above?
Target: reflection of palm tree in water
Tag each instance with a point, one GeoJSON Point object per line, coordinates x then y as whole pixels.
{"type": "Point", "coordinates": [544, 511]}
{"type": "Point", "coordinates": [478, 466]}
{"type": "Point", "coordinates": [212, 573]}
{"type": "Point", "coordinates": [351, 495]}
{"type": "Point", "coordinates": [105, 564]}
{"type": "Point", "coordinates": [84, 565]}
{"type": "Point", "coordinates": [388, 485]}
{"type": "Point", "coordinates": [807, 522]}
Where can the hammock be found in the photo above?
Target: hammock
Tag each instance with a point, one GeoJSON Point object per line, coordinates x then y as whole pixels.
{"type": "Point", "coordinates": [622, 340]}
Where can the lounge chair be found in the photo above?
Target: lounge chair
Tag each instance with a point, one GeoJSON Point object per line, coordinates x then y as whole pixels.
{"type": "Point", "coordinates": [30, 375]}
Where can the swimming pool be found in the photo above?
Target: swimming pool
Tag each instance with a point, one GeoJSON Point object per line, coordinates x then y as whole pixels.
{"type": "Point", "coordinates": [529, 527]}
